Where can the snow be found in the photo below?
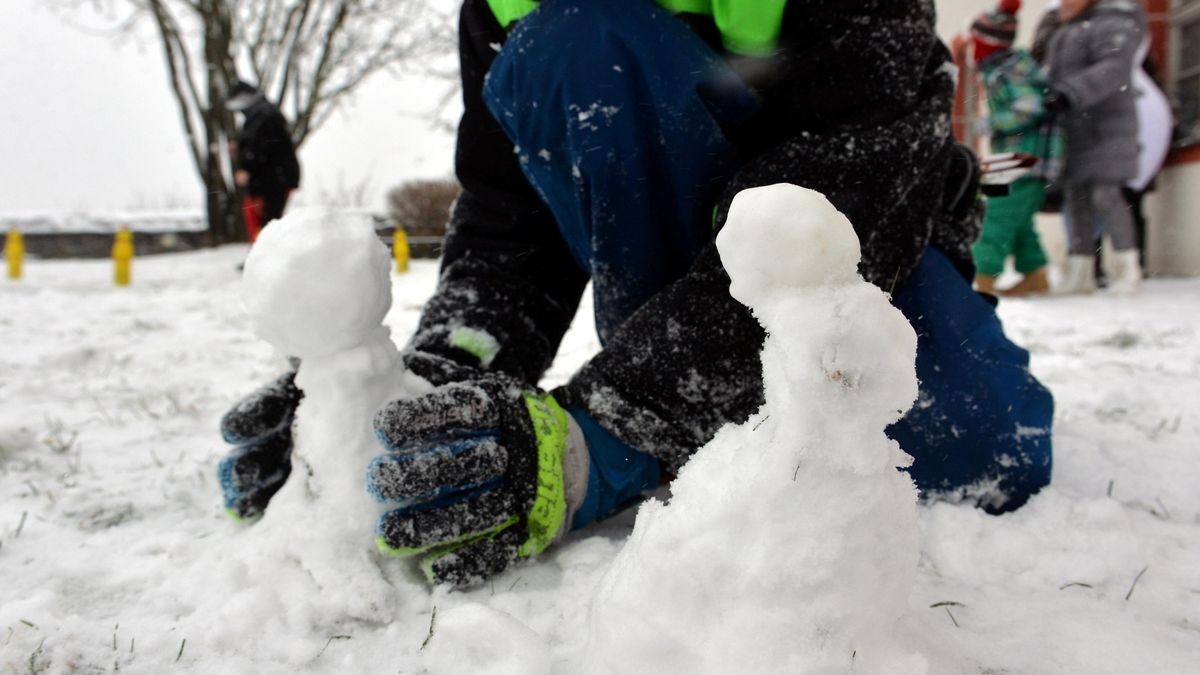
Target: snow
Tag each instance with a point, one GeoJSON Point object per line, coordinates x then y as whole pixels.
{"type": "Point", "coordinates": [115, 553]}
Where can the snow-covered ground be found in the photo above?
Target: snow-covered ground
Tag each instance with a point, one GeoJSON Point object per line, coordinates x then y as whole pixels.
{"type": "Point", "coordinates": [115, 554]}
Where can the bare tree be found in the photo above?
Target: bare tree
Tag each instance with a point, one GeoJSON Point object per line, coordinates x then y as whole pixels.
{"type": "Point", "coordinates": [305, 55]}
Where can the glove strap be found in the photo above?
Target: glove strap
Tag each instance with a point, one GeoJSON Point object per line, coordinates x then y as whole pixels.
{"type": "Point", "coordinates": [548, 513]}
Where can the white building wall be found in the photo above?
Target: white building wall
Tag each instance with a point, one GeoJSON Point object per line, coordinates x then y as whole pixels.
{"type": "Point", "coordinates": [954, 16]}
{"type": "Point", "coordinates": [1173, 228]}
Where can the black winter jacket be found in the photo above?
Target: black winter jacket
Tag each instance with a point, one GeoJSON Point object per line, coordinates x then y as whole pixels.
{"type": "Point", "coordinates": [855, 103]}
{"type": "Point", "coordinates": [266, 151]}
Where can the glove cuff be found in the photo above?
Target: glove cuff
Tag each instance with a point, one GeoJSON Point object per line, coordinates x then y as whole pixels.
{"type": "Point", "coordinates": [576, 471]}
{"type": "Point", "coordinates": [617, 474]}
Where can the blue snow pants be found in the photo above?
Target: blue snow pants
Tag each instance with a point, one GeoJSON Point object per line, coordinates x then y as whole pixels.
{"type": "Point", "coordinates": [617, 111]}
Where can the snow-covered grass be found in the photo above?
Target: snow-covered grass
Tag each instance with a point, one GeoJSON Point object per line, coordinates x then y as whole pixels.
{"type": "Point", "coordinates": [115, 553]}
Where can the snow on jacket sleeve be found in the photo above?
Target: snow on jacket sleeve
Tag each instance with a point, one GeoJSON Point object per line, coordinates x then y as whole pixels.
{"type": "Point", "coordinates": [508, 287]}
{"type": "Point", "coordinates": [868, 88]}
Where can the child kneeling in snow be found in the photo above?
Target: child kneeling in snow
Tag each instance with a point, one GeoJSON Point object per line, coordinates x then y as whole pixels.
{"type": "Point", "coordinates": [604, 141]}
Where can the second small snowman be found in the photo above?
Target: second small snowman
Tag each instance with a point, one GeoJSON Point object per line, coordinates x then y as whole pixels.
{"type": "Point", "coordinates": [790, 542]}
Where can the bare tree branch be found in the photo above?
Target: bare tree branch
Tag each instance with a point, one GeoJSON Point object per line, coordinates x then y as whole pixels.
{"type": "Point", "coordinates": [171, 47]}
{"type": "Point", "coordinates": [307, 55]}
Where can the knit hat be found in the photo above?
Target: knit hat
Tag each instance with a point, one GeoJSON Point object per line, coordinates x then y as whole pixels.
{"type": "Point", "coordinates": [995, 30]}
{"type": "Point", "coordinates": [241, 95]}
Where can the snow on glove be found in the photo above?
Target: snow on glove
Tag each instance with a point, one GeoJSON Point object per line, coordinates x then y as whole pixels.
{"type": "Point", "coordinates": [477, 469]}
{"type": "Point", "coordinates": [260, 429]}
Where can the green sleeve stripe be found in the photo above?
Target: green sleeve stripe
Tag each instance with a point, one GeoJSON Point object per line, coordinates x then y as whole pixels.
{"type": "Point", "coordinates": [509, 12]}
{"type": "Point", "coordinates": [549, 508]}
{"type": "Point", "coordinates": [749, 27]}
{"type": "Point", "coordinates": [690, 6]}
{"type": "Point", "coordinates": [477, 343]}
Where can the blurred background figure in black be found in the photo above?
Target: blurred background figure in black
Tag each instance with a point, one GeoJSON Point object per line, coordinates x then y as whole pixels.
{"type": "Point", "coordinates": [266, 168]}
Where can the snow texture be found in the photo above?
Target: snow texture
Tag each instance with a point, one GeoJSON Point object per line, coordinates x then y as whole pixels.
{"type": "Point", "coordinates": [795, 524]}
{"type": "Point", "coordinates": [115, 553]}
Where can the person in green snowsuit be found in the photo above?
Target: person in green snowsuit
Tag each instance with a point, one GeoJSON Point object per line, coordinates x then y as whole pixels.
{"type": "Point", "coordinates": [1017, 116]}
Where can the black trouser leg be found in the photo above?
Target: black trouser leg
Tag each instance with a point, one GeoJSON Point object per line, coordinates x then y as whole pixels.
{"type": "Point", "coordinates": [273, 205]}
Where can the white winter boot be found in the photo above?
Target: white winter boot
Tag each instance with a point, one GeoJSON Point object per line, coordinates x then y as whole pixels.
{"type": "Point", "coordinates": [1078, 277]}
{"type": "Point", "coordinates": [1125, 273]}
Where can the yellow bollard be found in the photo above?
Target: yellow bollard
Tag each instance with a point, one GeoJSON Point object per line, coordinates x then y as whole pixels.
{"type": "Point", "coordinates": [122, 255]}
{"type": "Point", "coordinates": [14, 251]}
{"type": "Point", "coordinates": [400, 249]}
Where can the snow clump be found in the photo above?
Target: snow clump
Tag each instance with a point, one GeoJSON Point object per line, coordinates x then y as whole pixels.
{"type": "Point", "coordinates": [790, 542]}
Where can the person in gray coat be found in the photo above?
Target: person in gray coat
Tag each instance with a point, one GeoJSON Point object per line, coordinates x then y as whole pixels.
{"type": "Point", "coordinates": [1091, 59]}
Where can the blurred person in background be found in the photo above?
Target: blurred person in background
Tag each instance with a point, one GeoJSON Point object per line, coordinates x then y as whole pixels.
{"type": "Point", "coordinates": [1017, 117]}
{"type": "Point", "coordinates": [1092, 58]}
{"type": "Point", "coordinates": [265, 164]}
{"type": "Point", "coordinates": [1155, 124]}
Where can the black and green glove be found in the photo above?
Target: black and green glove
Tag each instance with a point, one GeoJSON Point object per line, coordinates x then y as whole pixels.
{"type": "Point", "coordinates": [477, 471]}
{"type": "Point", "coordinates": [260, 429]}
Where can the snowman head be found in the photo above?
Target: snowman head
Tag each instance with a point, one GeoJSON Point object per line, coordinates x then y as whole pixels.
{"type": "Point", "coordinates": [317, 282]}
{"type": "Point", "coordinates": [784, 235]}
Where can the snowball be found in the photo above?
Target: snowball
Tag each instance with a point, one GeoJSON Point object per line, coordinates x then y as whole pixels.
{"type": "Point", "coordinates": [786, 235]}
{"type": "Point", "coordinates": [317, 282]}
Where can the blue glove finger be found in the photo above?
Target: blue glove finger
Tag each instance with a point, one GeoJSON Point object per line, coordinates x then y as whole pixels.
{"type": "Point", "coordinates": [251, 475]}
{"type": "Point", "coordinates": [428, 473]}
{"type": "Point", "coordinates": [442, 414]}
{"type": "Point", "coordinates": [451, 520]}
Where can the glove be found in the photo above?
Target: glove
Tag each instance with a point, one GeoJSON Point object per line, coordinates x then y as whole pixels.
{"type": "Point", "coordinates": [490, 471]}
{"type": "Point", "coordinates": [477, 469]}
{"type": "Point", "coordinates": [1056, 103]}
{"type": "Point", "coordinates": [260, 429]}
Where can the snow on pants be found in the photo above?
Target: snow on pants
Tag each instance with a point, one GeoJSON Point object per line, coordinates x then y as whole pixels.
{"type": "Point", "coordinates": [1008, 230]}
{"type": "Point", "coordinates": [616, 110]}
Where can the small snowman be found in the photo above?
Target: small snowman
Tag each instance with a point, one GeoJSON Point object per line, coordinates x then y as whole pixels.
{"type": "Point", "coordinates": [790, 542]}
{"type": "Point", "coordinates": [317, 285]}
